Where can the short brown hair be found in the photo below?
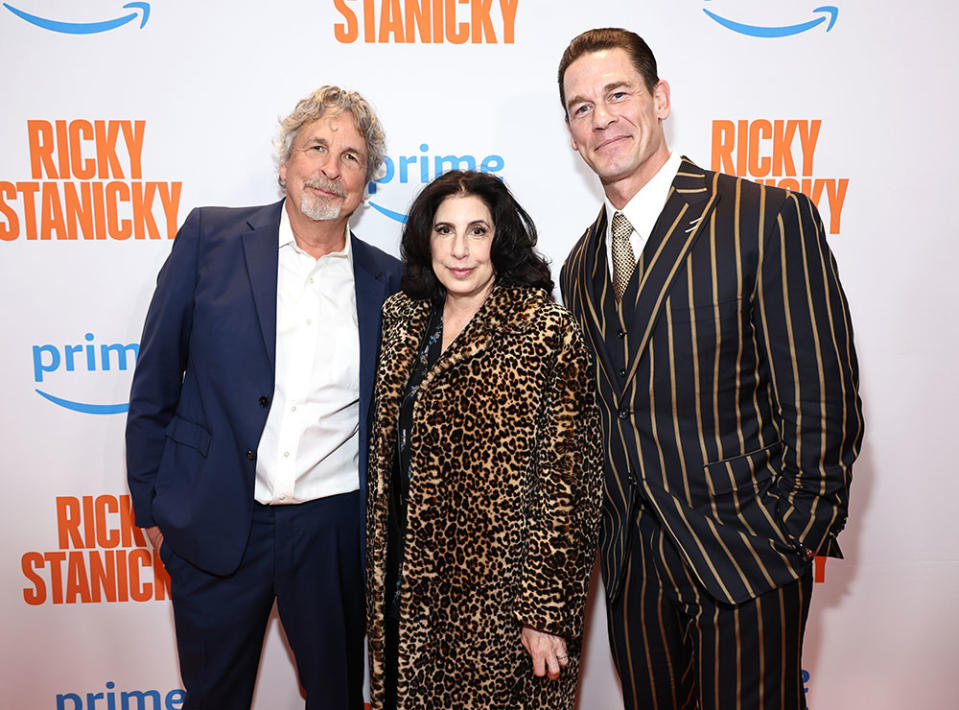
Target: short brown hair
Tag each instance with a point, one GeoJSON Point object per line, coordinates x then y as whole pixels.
{"type": "Point", "coordinates": [610, 38]}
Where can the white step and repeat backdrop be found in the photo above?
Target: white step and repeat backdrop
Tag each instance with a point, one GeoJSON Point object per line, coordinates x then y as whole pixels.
{"type": "Point", "coordinates": [118, 118]}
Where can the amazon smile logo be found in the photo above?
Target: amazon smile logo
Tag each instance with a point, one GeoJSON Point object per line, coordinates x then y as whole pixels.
{"type": "Point", "coordinates": [825, 14]}
{"type": "Point", "coordinates": [421, 168]}
{"type": "Point", "coordinates": [140, 9]}
{"type": "Point", "coordinates": [75, 370]}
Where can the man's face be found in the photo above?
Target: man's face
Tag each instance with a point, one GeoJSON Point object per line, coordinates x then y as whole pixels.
{"type": "Point", "coordinates": [325, 174]}
{"type": "Point", "coordinates": [613, 120]}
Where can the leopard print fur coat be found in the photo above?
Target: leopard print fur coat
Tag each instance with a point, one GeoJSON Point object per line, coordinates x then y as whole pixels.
{"type": "Point", "coordinates": [504, 500]}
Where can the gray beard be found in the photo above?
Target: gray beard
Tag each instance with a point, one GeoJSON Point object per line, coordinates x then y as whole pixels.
{"type": "Point", "coordinates": [318, 209]}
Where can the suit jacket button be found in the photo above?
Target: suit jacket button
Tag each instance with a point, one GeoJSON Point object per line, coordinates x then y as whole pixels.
{"type": "Point", "coordinates": [250, 455]}
{"type": "Point", "coordinates": [622, 372]}
{"type": "Point", "coordinates": [620, 333]}
{"type": "Point", "coordinates": [623, 413]}
{"type": "Point", "coordinates": [264, 401]}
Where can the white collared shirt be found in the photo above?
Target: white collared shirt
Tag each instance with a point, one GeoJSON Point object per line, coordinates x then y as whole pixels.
{"type": "Point", "coordinates": [643, 209]}
{"type": "Point", "coordinates": [310, 444]}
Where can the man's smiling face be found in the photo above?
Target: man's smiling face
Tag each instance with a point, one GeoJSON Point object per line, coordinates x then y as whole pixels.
{"type": "Point", "coordinates": [615, 123]}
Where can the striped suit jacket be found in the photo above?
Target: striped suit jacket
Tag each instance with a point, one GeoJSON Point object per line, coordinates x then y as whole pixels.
{"type": "Point", "coordinates": [727, 381]}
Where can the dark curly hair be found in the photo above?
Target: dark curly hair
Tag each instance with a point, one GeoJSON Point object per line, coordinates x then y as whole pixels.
{"type": "Point", "coordinates": [514, 259]}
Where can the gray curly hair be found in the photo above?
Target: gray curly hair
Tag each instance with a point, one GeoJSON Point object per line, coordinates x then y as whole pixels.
{"type": "Point", "coordinates": [315, 106]}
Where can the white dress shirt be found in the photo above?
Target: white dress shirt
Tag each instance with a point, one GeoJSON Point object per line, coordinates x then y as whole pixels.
{"type": "Point", "coordinates": [310, 444]}
{"type": "Point", "coordinates": [643, 209]}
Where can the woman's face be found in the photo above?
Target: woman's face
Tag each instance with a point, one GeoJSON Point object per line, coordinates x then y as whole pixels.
{"type": "Point", "coordinates": [460, 246]}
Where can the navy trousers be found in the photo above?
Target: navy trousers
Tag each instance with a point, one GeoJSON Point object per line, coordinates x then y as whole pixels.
{"type": "Point", "coordinates": [305, 557]}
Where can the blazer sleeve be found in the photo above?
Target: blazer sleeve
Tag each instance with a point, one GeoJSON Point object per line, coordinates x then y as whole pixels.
{"type": "Point", "coordinates": [161, 363]}
{"type": "Point", "coordinates": [563, 497]}
{"type": "Point", "coordinates": [806, 340]}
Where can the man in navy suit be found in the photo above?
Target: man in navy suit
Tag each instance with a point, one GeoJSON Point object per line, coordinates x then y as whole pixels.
{"type": "Point", "coordinates": [247, 431]}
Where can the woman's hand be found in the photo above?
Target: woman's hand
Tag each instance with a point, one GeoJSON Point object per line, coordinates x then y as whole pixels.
{"type": "Point", "coordinates": [548, 652]}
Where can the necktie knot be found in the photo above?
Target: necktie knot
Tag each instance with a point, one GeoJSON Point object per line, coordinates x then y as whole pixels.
{"type": "Point", "coordinates": [624, 261]}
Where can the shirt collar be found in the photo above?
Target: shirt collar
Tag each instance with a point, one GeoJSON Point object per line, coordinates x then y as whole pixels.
{"type": "Point", "coordinates": [286, 238]}
{"type": "Point", "coordinates": [644, 207]}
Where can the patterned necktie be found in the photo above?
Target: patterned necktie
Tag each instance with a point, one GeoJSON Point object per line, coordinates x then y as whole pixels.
{"type": "Point", "coordinates": [623, 260]}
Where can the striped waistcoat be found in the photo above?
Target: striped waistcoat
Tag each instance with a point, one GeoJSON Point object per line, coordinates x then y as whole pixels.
{"type": "Point", "coordinates": [727, 381]}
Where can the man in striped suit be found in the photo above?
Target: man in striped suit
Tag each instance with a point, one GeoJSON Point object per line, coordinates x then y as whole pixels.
{"type": "Point", "coordinates": [728, 385]}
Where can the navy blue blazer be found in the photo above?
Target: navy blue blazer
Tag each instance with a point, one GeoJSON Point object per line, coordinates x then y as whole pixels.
{"type": "Point", "coordinates": [205, 375]}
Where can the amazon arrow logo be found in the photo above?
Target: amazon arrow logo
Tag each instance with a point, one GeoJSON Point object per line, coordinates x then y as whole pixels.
{"type": "Point", "coordinates": [392, 214]}
{"type": "Point", "coordinates": [85, 28]}
{"type": "Point", "coordinates": [828, 13]}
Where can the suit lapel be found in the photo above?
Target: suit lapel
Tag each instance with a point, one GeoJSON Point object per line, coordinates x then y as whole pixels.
{"type": "Point", "coordinates": [261, 251]}
{"type": "Point", "coordinates": [593, 262]}
{"type": "Point", "coordinates": [687, 209]}
{"type": "Point", "coordinates": [370, 288]}
{"type": "Point", "coordinates": [588, 297]}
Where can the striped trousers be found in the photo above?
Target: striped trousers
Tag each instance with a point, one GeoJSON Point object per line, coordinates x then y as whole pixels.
{"type": "Point", "coordinates": [677, 648]}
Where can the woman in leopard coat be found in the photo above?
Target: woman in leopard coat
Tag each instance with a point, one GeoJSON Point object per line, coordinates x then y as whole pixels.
{"type": "Point", "coordinates": [485, 466]}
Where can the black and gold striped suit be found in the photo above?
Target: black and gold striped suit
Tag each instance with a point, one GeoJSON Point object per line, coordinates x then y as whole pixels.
{"type": "Point", "coordinates": [728, 382]}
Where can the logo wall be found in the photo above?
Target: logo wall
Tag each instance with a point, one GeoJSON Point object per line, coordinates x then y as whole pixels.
{"type": "Point", "coordinates": [779, 152]}
{"type": "Point", "coordinates": [115, 699]}
{"type": "Point", "coordinates": [825, 14]}
{"type": "Point", "coordinates": [426, 21]}
{"type": "Point", "coordinates": [140, 9]}
{"type": "Point", "coordinates": [101, 556]}
{"type": "Point", "coordinates": [423, 167]}
{"type": "Point", "coordinates": [76, 367]}
{"type": "Point", "coordinates": [86, 183]}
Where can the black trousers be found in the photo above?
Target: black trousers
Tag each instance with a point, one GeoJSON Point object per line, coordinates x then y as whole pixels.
{"type": "Point", "coordinates": [305, 557]}
{"type": "Point", "coordinates": [677, 648]}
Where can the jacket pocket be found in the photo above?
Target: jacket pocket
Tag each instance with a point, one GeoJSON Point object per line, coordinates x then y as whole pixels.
{"type": "Point", "coordinates": [722, 311]}
{"type": "Point", "coordinates": [189, 434]}
{"type": "Point", "coordinates": [738, 493]}
{"type": "Point", "coordinates": [747, 471]}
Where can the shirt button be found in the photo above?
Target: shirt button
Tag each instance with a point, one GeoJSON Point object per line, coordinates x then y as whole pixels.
{"type": "Point", "coordinates": [311, 279]}
{"type": "Point", "coordinates": [286, 454]}
{"type": "Point", "coordinates": [309, 321]}
{"type": "Point", "coordinates": [293, 408]}
{"type": "Point", "coordinates": [264, 401]}
{"type": "Point", "coordinates": [250, 455]}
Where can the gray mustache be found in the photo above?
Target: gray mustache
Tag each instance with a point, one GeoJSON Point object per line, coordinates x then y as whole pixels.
{"type": "Point", "coordinates": [326, 185]}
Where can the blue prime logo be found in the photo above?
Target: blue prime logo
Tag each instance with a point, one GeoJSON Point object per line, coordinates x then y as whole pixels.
{"type": "Point", "coordinates": [122, 699]}
{"type": "Point", "coordinates": [86, 28]}
{"type": "Point", "coordinates": [85, 357]}
{"type": "Point", "coordinates": [424, 167]}
{"type": "Point", "coordinates": [827, 13]}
